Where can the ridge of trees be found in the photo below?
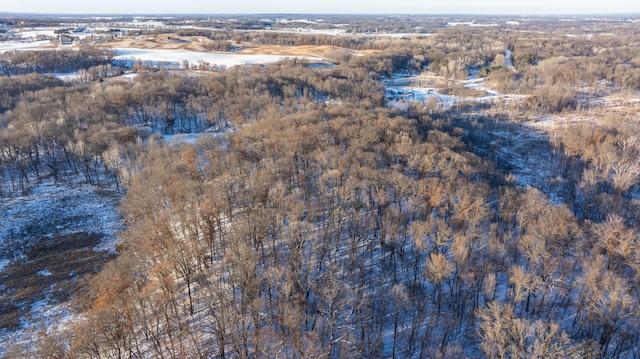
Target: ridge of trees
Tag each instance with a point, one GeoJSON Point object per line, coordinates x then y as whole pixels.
{"type": "Point", "coordinates": [21, 62]}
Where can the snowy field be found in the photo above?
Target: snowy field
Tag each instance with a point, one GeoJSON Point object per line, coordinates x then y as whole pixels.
{"type": "Point", "coordinates": [16, 45]}
{"type": "Point", "coordinates": [309, 31]}
{"type": "Point", "coordinates": [34, 33]}
{"type": "Point", "coordinates": [193, 57]}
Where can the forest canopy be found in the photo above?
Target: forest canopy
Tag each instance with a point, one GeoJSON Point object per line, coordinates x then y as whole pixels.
{"type": "Point", "coordinates": [317, 213]}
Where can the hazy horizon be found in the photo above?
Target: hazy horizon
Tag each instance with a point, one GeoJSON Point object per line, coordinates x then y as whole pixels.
{"type": "Point", "coordinates": [191, 7]}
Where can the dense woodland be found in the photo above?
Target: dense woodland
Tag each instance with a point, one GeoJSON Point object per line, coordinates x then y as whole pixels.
{"type": "Point", "coordinates": [61, 61]}
{"type": "Point", "coordinates": [316, 221]}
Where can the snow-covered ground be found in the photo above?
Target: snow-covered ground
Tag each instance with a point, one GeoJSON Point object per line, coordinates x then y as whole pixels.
{"type": "Point", "coordinates": [402, 88]}
{"type": "Point", "coordinates": [34, 33]}
{"type": "Point", "coordinates": [43, 316]}
{"type": "Point", "coordinates": [470, 24]}
{"type": "Point", "coordinates": [301, 30]}
{"type": "Point", "coordinates": [52, 209]}
{"type": "Point", "coordinates": [193, 57]}
{"type": "Point", "coordinates": [17, 45]}
{"type": "Point", "coordinates": [190, 138]}
{"type": "Point", "coordinates": [72, 76]}
{"type": "Point", "coordinates": [507, 59]}
{"type": "Point", "coordinates": [52, 217]}
{"type": "Point", "coordinates": [424, 89]}
{"type": "Point", "coordinates": [523, 151]}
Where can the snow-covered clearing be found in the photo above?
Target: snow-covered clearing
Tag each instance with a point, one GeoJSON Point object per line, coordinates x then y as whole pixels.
{"type": "Point", "coordinates": [50, 238]}
{"type": "Point", "coordinates": [426, 89]}
{"type": "Point", "coordinates": [14, 45]}
{"type": "Point", "coordinates": [34, 33]}
{"type": "Point", "coordinates": [402, 88]}
{"type": "Point", "coordinates": [470, 24]}
{"type": "Point", "coordinates": [70, 77]}
{"type": "Point", "coordinates": [52, 209]}
{"type": "Point", "coordinates": [301, 30]}
{"type": "Point", "coordinates": [189, 138]}
{"type": "Point", "coordinates": [193, 57]}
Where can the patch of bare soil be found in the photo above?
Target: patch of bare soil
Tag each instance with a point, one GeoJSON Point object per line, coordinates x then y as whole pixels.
{"type": "Point", "coordinates": [49, 270]}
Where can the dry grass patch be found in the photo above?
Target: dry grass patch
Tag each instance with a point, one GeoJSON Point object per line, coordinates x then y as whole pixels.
{"type": "Point", "coordinates": [164, 41]}
{"type": "Point", "coordinates": [198, 43]}
{"type": "Point", "coordinates": [323, 51]}
{"type": "Point", "coordinates": [462, 91]}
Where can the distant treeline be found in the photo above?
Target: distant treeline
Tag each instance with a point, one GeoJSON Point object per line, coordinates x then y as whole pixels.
{"type": "Point", "coordinates": [21, 62]}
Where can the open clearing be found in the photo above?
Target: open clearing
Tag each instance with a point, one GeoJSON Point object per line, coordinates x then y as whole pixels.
{"type": "Point", "coordinates": [199, 43]}
{"type": "Point", "coordinates": [47, 243]}
{"type": "Point", "coordinates": [177, 49]}
{"type": "Point", "coordinates": [193, 57]}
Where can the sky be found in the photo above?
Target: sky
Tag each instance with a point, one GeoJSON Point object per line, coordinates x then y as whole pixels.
{"type": "Point", "coordinates": [513, 7]}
